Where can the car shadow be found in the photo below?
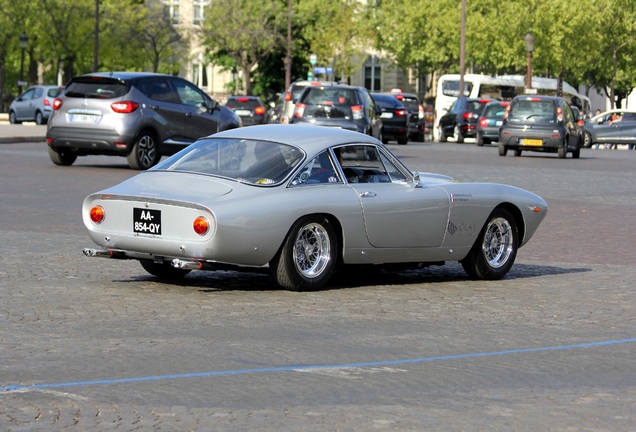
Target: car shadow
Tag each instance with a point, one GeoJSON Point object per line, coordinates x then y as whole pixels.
{"type": "Point", "coordinates": [349, 277]}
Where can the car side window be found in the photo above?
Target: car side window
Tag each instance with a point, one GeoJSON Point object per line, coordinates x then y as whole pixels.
{"type": "Point", "coordinates": [158, 89]}
{"type": "Point", "coordinates": [189, 95]}
{"type": "Point", "coordinates": [28, 95]}
{"type": "Point", "coordinates": [362, 164]}
{"type": "Point", "coordinates": [38, 93]}
{"type": "Point", "coordinates": [319, 170]}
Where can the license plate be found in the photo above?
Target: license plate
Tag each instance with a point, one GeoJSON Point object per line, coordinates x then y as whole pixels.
{"type": "Point", "coordinates": [83, 118]}
{"type": "Point", "coordinates": [146, 221]}
{"type": "Point", "coordinates": [243, 113]}
{"type": "Point", "coordinates": [498, 122]}
{"type": "Point", "coordinates": [531, 142]}
{"type": "Point", "coordinates": [386, 115]}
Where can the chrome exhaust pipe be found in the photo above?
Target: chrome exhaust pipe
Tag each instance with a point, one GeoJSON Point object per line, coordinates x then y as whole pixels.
{"type": "Point", "coordinates": [99, 253]}
{"type": "Point", "coordinates": [186, 265]}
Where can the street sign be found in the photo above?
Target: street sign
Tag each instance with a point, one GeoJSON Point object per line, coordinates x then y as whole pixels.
{"type": "Point", "coordinates": [323, 70]}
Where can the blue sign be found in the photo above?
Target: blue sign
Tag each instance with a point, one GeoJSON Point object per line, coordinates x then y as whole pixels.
{"type": "Point", "coordinates": [323, 70]}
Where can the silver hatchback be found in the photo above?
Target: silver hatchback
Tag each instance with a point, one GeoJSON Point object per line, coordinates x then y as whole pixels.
{"type": "Point", "coordinates": [142, 116]}
{"type": "Point", "coordinates": [35, 104]}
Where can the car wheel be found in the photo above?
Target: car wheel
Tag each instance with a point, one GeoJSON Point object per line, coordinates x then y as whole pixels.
{"type": "Point", "coordinates": [517, 152]}
{"type": "Point", "coordinates": [403, 140]}
{"type": "Point", "coordinates": [163, 270]}
{"type": "Point", "coordinates": [563, 151]}
{"type": "Point", "coordinates": [479, 140]}
{"type": "Point", "coordinates": [12, 118]}
{"type": "Point", "coordinates": [39, 118]}
{"type": "Point", "coordinates": [457, 134]}
{"type": "Point", "coordinates": [442, 135]}
{"type": "Point", "coordinates": [503, 150]}
{"type": "Point", "coordinates": [308, 256]}
{"type": "Point", "coordinates": [62, 157]}
{"type": "Point", "coordinates": [587, 139]}
{"type": "Point", "coordinates": [495, 250]}
{"type": "Point", "coordinates": [145, 153]}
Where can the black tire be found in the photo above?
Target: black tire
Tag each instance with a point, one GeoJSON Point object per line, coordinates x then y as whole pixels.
{"type": "Point", "coordinates": [503, 150]}
{"type": "Point", "coordinates": [63, 157]}
{"type": "Point", "coordinates": [403, 140]}
{"type": "Point", "coordinates": [308, 256]}
{"type": "Point", "coordinates": [457, 134]}
{"type": "Point", "coordinates": [479, 140]}
{"type": "Point", "coordinates": [12, 118]}
{"type": "Point", "coordinates": [495, 249]}
{"type": "Point", "coordinates": [517, 152]}
{"type": "Point", "coordinates": [39, 118]}
{"type": "Point", "coordinates": [442, 135]}
{"type": "Point", "coordinates": [563, 151]}
{"type": "Point", "coordinates": [145, 152]}
{"type": "Point", "coordinates": [163, 270]}
{"type": "Point", "coordinates": [587, 139]}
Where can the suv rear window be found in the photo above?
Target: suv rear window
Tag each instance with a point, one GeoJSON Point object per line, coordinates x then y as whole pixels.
{"type": "Point", "coordinates": [411, 103]}
{"type": "Point", "coordinates": [239, 103]}
{"type": "Point", "coordinates": [96, 89]}
{"type": "Point", "coordinates": [329, 102]}
{"type": "Point", "coordinates": [532, 110]}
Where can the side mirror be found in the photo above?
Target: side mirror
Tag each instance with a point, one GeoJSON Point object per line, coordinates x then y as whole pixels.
{"type": "Point", "coordinates": [213, 105]}
{"type": "Point", "coordinates": [378, 110]}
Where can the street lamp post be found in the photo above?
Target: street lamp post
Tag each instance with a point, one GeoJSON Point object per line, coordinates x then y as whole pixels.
{"type": "Point", "coordinates": [529, 41]}
{"type": "Point", "coordinates": [24, 40]}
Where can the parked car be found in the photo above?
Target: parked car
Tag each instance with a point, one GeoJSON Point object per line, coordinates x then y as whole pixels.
{"type": "Point", "coordinates": [35, 104]}
{"type": "Point", "coordinates": [617, 126]}
{"type": "Point", "coordinates": [541, 124]}
{"type": "Point", "coordinates": [141, 116]}
{"type": "Point", "coordinates": [343, 106]}
{"type": "Point", "coordinates": [490, 121]}
{"type": "Point", "coordinates": [293, 93]}
{"type": "Point", "coordinates": [395, 118]}
{"type": "Point", "coordinates": [461, 119]}
{"type": "Point", "coordinates": [249, 108]}
{"type": "Point", "coordinates": [210, 208]}
{"type": "Point", "coordinates": [417, 114]}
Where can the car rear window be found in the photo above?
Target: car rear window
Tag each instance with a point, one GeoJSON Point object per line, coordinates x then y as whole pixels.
{"type": "Point", "coordinates": [54, 92]}
{"type": "Point", "coordinates": [495, 111]}
{"type": "Point", "coordinates": [532, 110]}
{"type": "Point", "coordinates": [387, 101]}
{"type": "Point", "coordinates": [96, 88]}
{"type": "Point", "coordinates": [242, 103]}
{"type": "Point", "coordinates": [475, 106]}
{"type": "Point", "coordinates": [412, 104]}
{"type": "Point", "coordinates": [329, 102]}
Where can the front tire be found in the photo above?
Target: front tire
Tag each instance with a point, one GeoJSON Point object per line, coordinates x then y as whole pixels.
{"type": "Point", "coordinates": [145, 152]}
{"type": "Point", "coordinates": [563, 151]}
{"type": "Point", "coordinates": [587, 139]}
{"type": "Point", "coordinates": [495, 250]}
{"type": "Point", "coordinates": [13, 119]}
{"type": "Point", "coordinates": [308, 256]}
{"type": "Point", "coordinates": [62, 157]}
{"type": "Point", "coordinates": [163, 270]}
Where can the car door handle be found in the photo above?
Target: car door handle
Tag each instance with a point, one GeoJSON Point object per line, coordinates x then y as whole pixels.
{"type": "Point", "coordinates": [188, 114]}
{"type": "Point", "coordinates": [155, 107]}
{"type": "Point", "coordinates": [368, 194]}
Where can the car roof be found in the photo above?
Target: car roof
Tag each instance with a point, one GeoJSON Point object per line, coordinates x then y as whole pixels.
{"type": "Point", "coordinates": [539, 97]}
{"type": "Point", "coordinates": [124, 75]}
{"type": "Point", "coordinates": [312, 139]}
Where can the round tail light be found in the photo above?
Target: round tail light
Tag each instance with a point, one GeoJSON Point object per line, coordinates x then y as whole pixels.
{"type": "Point", "coordinates": [201, 225]}
{"type": "Point", "coordinates": [97, 214]}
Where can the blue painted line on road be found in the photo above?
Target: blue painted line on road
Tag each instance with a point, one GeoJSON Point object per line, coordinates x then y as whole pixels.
{"type": "Point", "coordinates": [8, 388]}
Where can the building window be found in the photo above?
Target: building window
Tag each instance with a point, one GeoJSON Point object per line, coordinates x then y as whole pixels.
{"type": "Point", "coordinates": [171, 10]}
{"type": "Point", "coordinates": [199, 11]}
{"type": "Point", "coordinates": [373, 74]}
{"type": "Point", "coordinates": [200, 75]}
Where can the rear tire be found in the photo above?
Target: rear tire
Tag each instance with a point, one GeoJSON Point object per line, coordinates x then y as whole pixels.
{"type": "Point", "coordinates": [495, 250]}
{"type": "Point", "coordinates": [63, 157]}
{"type": "Point", "coordinates": [563, 151]}
{"type": "Point", "coordinates": [503, 150]}
{"type": "Point", "coordinates": [308, 256]}
{"type": "Point", "coordinates": [517, 152]}
{"type": "Point", "coordinates": [163, 270]}
{"type": "Point", "coordinates": [587, 139]}
{"type": "Point", "coordinates": [457, 134]}
{"type": "Point", "coordinates": [39, 118]}
{"type": "Point", "coordinates": [145, 152]}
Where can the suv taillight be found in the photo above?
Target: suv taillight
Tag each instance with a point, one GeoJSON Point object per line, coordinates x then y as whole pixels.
{"type": "Point", "coordinates": [401, 113]}
{"type": "Point", "coordinates": [299, 111]}
{"type": "Point", "coordinates": [57, 103]}
{"type": "Point", "coordinates": [288, 96]}
{"type": "Point", "coordinates": [483, 122]}
{"type": "Point", "coordinates": [259, 110]}
{"type": "Point", "coordinates": [124, 107]}
{"type": "Point", "coordinates": [357, 111]}
{"type": "Point", "coordinates": [469, 115]}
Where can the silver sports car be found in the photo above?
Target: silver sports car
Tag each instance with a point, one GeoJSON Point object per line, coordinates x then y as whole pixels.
{"type": "Point", "coordinates": [300, 201]}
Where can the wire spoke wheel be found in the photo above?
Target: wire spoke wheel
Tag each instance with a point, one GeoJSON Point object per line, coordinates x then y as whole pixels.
{"type": "Point", "coordinates": [312, 250]}
{"type": "Point", "coordinates": [498, 242]}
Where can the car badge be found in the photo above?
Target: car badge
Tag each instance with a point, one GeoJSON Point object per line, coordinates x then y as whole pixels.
{"type": "Point", "coordinates": [85, 103]}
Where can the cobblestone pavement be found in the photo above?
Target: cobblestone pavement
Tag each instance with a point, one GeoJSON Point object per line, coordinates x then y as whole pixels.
{"type": "Point", "coordinates": [90, 344]}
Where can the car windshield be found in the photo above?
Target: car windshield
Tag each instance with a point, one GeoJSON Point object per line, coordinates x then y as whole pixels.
{"type": "Point", "coordinates": [329, 102]}
{"type": "Point", "coordinates": [250, 161]}
{"type": "Point", "coordinates": [533, 110]}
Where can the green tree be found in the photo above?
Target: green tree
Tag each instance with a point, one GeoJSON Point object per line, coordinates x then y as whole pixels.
{"type": "Point", "coordinates": [246, 30]}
